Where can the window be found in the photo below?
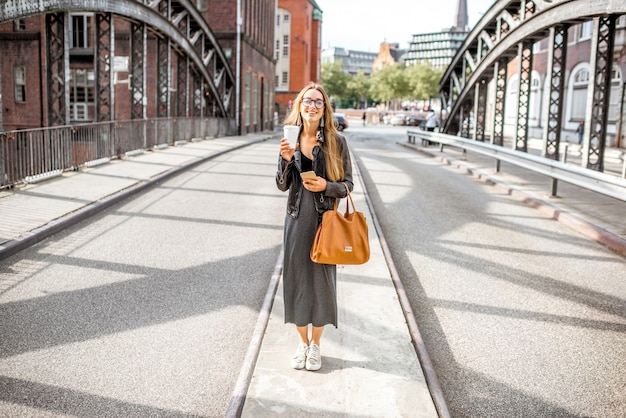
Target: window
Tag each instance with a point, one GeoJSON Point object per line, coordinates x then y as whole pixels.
{"type": "Point", "coordinates": [584, 30]}
{"type": "Point", "coordinates": [285, 45]}
{"type": "Point", "coordinates": [19, 81]}
{"type": "Point", "coordinates": [285, 79]}
{"type": "Point", "coordinates": [246, 108]}
{"type": "Point", "coordinates": [579, 94]}
{"type": "Point", "coordinates": [285, 18]}
{"type": "Point", "coordinates": [79, 31]}
{"type": "Point", "coordinates": [82, 95]}
{"type": "Point", "coordinates": [616, 87]}
{"type": "Point", "coordinates": [19, 25]}
{"type": "Point", "coordinates": [255, 99]}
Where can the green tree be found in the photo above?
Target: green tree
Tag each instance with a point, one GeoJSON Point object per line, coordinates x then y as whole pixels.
{"type": "Point", "coordinates": [423, 81]}
{"type": "Point", "coordinates": [357, 89]}
{"type": "Point", "coordinates": [390, 85]}
{"type": "Point", "coordinates": [334, 80]}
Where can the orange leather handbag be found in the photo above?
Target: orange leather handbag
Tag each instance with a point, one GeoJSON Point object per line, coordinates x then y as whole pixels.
{"type": "Point", "coordinates": [341, 238]}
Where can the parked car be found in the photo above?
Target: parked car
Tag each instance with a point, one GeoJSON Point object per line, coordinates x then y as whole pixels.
{"type": "Point", "coordinates": [341, 122]}
{"type": "Point", "coordinates": [415, 120]}
{"type": "Point", "coordinates": [398, 119]}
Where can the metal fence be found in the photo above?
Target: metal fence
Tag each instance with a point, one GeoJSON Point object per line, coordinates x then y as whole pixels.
{"type": "Point", "coordinates": [28, 155]}
{"type": "Point", "coordinates": [606, 184]}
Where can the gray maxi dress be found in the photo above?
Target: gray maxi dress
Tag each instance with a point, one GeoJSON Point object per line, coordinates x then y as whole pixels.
{"type": "Point", "coordinates": [309, 289]}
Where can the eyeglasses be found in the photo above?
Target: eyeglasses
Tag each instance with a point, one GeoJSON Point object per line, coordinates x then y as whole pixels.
{"type": "Point", "coordinates": [306, 102]}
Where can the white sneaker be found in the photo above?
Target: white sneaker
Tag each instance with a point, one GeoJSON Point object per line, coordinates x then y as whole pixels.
{"type": "Point", "coordinates": [299, 358]}
{"type": "Point", "coordinates": [313, 358]}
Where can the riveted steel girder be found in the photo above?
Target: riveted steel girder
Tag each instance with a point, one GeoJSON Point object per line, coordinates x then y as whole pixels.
{"type": "Point", "coordinates": [104, 67]}
{"type": "Point", "coordinates": [194, 44]}
{"type": "Point", "coordinates": [500, 73]}
{"type": "Point", "coordinates": [525, 59]}
{"type": "Point", "coordinates": [57, 72]}
{"type": "Point", "coordinates": [600, 89]}
{"type": "Point", "coordinates": [557, 63]}
{"type": "Point", "coordinates": [480, 111]}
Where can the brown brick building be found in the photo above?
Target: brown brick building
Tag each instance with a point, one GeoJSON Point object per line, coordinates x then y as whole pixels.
{"type": "Point", "coordinates": [297, 50]}
{"type": "Point", "coordinates": [24, 100]}
{"type": "Point", "coordinates": [256, 60]}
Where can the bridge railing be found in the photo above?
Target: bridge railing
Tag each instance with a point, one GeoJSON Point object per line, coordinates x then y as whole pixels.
{"type": "Point", "coordinates": [606, 184]}
{"type": "Point", "coordinates": [33, 154]}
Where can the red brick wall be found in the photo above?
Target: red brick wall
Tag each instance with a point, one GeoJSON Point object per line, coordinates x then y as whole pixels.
{"type": "Point", "coordinates": [22, 49]}
{"type": "Point", "coordinates": [256, 51]}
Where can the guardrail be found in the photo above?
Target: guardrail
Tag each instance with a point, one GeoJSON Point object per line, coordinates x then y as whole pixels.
{"type": "Point", "coordinates": [596, 181]}
{"type": "Point", "coordinates": [31, 155]}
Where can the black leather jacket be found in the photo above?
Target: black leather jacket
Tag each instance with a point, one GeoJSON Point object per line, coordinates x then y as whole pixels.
{"type": "Point", "coordinates": [288, 178]}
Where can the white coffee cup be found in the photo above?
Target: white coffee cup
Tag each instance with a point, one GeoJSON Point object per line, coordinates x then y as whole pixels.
{"type": "Point", "coordinates": [291, 133]}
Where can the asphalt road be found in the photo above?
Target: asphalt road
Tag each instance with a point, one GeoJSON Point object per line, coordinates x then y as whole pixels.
{"type": "Point", "coordinates": [521, 315]}
{"type": "Point", "coordinates": [148, 308]}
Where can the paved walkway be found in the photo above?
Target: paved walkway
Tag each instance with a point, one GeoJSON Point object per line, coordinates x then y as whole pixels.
{"type": "Point", "coordinates": [371, 357]}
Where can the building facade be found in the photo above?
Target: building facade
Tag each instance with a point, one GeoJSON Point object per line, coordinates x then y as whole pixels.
{"type": "Point", "coordinates": [255, 64]}
{"type": "Point", "coordinates": [436, 49]}
{"type": "Point", "coordinates": [352, 61]}
{"type": "Point", "coordinates": [389, 54]}
{"type": "Point", "coordinates": [297, 49]}
{"type": "Point", "coordinates": [576, 86]}
{"type": "Point", "coordinates": [168, 83]}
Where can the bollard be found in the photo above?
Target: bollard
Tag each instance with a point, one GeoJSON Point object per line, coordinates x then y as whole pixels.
{"type": "Point", "coordinates": [564, 156]}
{"type": "Point", "coordinates": [624, 168]}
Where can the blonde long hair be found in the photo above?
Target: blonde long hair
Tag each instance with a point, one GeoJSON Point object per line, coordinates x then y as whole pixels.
{"type": "Point", "coordinates": [332, 154]}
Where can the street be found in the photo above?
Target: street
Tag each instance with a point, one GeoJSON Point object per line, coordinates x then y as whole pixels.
{"type": "Point", "coordinates": [521, 315]}
{"type": "Point", "coordinates": [148, 308]}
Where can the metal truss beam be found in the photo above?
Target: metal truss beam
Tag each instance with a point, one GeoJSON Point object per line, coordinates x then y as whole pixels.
{"type": "Point", "coordinates": [556, 71]}
{"type": "Point", "coordinates": [182, 92]}
{"type": "Point", "coordinates": [525, 68]}
{"type": "Point", "coordinates": [480, 111]}
{"type": "Point", "coordinates": [600, 89]}
{"type": "Point", "coordinates": [500, 72]}
{"type": "Point", "coordinates": [57, 74]}
{"type": "Point", "coordinates": [138, 70]}
{"type": "Point", "coordinates": [105, 50]}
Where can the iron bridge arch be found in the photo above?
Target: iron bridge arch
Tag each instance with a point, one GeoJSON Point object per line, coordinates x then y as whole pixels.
{"type": "Point", "coordinates": [178, 26]}
{"type": "Point", "coordinates": [507, 31]}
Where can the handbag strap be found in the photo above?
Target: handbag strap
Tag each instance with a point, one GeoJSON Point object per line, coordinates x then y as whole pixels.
{"type": "Point", "coordinates": [349, 198]}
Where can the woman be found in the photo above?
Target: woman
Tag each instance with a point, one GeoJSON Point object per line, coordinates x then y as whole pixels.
{"type": "Point", "coordinates": [310, 289]}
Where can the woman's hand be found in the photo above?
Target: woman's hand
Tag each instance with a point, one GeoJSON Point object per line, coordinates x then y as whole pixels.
{"type": "Point", "coordinates": [316, 186]}
{"type": "Point", "coordinates": [285, 150]}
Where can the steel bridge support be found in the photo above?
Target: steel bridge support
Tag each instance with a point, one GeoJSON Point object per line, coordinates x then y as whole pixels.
{"type": "Point", "coordinates": [164, 75]}
{"type": "Point", "coordinates": [138, 70]}
{"type": "Point", "coordinates": [525, 58]}
{"type": "Point", "coordinates": [598, 98]}
{"type": "Point", "coordinates": [198, 95]}
{"type": "Point", "coordinates": [58, 70]}
{"type": "Point", "coordinates": [500, 74]}
{"type": "Point", "coordinates": [105, 50]}
{"type": "Point", "coordinates": [182, 85]}
{"type": "Point", "coordinates": [480, 110]}
{"type": "Point", "coordinates": [164, 67]}
{"type": "Point", "coordinates": [557, 61]}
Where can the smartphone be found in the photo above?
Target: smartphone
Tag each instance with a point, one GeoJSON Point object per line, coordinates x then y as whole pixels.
{"type": "Point", "coordinates": [308, 175]}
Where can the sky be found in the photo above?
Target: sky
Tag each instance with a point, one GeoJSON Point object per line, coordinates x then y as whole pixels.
{"type": "Point", "coordinates": [363, 25]}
